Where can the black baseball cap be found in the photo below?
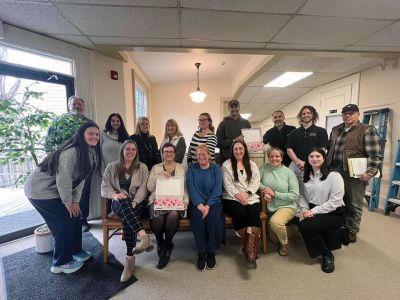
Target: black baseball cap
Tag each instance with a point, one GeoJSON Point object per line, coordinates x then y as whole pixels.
{"type": "Point", "coordinates": [350, 107]}
{"type": "Point", "coordinates": [233, 102]}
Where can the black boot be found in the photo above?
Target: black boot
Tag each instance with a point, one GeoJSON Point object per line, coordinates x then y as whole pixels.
{"type": "Point", "coordinates": [210, 260]}
{"type": "Point", "coordinates": [165, 255]}
{"type": "Point", "coordinates": [201, 261]}
{"type": "Point", "coordinates": [328, 265]}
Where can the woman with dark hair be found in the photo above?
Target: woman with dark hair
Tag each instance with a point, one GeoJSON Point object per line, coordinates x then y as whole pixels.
{"type": "Point", "coordinates": [322, 207]}
{"type": "Point", "coordinates": [164, 223]}
{"type": "Point", "coordinates": [241, 182]}
{"type": "Point", "coordinates": [204, 184]}
{"type": "Point", "coordinates": [173, 135]}
{"type": "Point", "coordinates": [55, 188]}
{"type": "Point", "coordinates": [124, 182]}
{"type": "Point", "coordinates": [146, 143]}
{"type": "Point", "coordinates": [111, 138]}
{"type": "Point", "coordinates": [280, 190]}
{"type": "Point", "coordinates": [204, 135]}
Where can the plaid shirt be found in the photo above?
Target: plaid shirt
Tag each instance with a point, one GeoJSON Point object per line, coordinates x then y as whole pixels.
{"type": "Point", "coordinates": [372, 148]}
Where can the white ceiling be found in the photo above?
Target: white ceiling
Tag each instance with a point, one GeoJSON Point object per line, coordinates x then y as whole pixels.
{"type": "Point", "coordinates": [349, 35]}
{"type": "Point", "coordinates": [163, 67]}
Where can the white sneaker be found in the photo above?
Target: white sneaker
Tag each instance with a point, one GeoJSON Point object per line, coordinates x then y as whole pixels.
{"type": "Point", "coordinates": [68, 268]}
{"type": "Point", "coordinates": [82, 256]}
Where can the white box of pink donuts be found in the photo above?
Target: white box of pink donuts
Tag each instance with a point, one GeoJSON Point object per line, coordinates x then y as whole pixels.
{"type": "Point", "coordinates": [253, 138]}
{"type": "Point", "coordinates": [169, 193]}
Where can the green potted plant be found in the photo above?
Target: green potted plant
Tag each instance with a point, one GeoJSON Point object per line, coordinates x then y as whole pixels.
{"type": "Point", "coordinates": [22, 130]}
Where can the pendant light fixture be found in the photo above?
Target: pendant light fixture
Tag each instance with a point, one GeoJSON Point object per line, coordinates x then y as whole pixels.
{"type": "Point", "coordinates": [198, 96]}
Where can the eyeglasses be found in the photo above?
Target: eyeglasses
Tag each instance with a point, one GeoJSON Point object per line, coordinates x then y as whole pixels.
{"type": "Point", "coordinates": [169, 151]}
{"type": "Point", "coordinates": [201, 120]}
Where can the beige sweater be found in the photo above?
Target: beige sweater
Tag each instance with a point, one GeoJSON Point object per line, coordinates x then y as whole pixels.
{"type": "Point", "coordinates": [151, 183]}
{"type": "Point", "coordinates": [137, 190]}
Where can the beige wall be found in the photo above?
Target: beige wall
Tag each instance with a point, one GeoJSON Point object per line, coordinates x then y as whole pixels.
{"type": "Point", "coordinates": [132, 71]}
{"type": "Point", "coordinates": [109, 94]}
{"type": "Point", "coordinates": [172, 100]}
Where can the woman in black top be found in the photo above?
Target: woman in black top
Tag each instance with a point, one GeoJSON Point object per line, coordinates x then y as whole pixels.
{"type": "Point", "coordinates": [147, 144]}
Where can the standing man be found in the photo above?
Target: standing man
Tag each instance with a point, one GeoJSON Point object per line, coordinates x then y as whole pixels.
{"type": "Point", "coordinates": [230, 130]}
{"type": "Point", "coordinates": [352, 139]}
{"type": "Point", "coordinates": [277, 135]}
{"type": "Point", "coordinates": [301, 140]}
{"type": "Point", "coordinates": [65, 126]}
{"type": "Point", "coordinates": [61, 130]}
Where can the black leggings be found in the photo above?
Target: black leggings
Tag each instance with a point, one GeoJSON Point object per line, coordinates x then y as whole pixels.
{"type": "Point", "coordinates": [242, 215]}
{"type": "Point", "coordinates": [165, 225]}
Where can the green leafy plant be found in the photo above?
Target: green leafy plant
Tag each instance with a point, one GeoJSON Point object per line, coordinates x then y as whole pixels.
{"type": "Point", "coordinates": [22, 129]}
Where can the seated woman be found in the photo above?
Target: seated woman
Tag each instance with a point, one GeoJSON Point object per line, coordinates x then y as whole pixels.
{"type": "Point", "coordinates": [281, 192]}
{"type": "Point", "coordinates": [124, 181]}
{"type": "Point", "coordinates": [322, 207]}
{"type": "Point", "coordinates": [241, 182]}
{"type": "Point", "coordinates": [164, 223]}
{"type": "Point", "coordinates": [55, 189]}
{"type": "Point", "coordinates": [204, 184]}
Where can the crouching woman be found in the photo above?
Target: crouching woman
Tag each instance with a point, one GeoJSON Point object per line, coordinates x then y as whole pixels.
{"type": "Point", "coordinates": [55, 189]}
{"type": "Point", "coordinates": [322, 207]}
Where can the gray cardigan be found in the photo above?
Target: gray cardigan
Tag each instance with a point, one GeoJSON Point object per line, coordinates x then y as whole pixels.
{"type": "Point", "coordinates": [137, 190]}
{"type": "Point", "coordinates": [42, 186]}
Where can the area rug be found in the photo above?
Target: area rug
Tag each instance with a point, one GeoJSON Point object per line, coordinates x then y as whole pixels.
{"type": "Point", "coordinates": [27, 275]}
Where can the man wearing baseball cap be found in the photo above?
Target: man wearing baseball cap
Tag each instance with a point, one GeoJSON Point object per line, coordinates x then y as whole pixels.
{"type": "Point", "coordinates": [230, 130]}
{"type": "Point", "coordinates": [352, 139]}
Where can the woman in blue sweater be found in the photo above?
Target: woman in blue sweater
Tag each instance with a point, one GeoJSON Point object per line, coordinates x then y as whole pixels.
{"type": "Point", "coordinates": [204, 184]}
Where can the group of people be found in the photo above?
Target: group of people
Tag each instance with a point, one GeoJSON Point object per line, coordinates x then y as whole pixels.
{"type": "Point", "coordinates": [300, 178]}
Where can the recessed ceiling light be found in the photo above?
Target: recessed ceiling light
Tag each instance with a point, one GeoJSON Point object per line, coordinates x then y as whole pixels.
{"type": "Point", "coordinates": [287, 79]}
{"type": "Point", "coordinates": [245, 116]}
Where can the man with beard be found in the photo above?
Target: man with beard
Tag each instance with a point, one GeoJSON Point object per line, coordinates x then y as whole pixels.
{"type": "Point", "coordinates": [277, 135]}
{"type": "Point", "coordinates": [230, 130]}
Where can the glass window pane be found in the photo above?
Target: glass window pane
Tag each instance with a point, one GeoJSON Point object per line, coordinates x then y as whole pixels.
{"type": "Point", "coordinates": [37, 61]}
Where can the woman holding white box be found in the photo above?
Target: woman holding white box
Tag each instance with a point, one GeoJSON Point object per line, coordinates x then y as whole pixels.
{"type": "Point", "coordinates": [164, 222]}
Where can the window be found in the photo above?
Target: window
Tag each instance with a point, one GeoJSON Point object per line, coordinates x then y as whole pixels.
{"type": "Point", "coordinates": [34, 60]}
{"type": "Point", "coordinates": [141, 101]}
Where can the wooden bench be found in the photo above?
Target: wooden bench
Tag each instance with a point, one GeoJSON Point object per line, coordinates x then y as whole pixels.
{"type": "Point", "coordinates": [113, 226]}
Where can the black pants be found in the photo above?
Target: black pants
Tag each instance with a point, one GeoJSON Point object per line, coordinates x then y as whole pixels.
{"type": "Point", "coordinates": [321, 233]}
{"type": "Point", "coordinates": [242, 215]}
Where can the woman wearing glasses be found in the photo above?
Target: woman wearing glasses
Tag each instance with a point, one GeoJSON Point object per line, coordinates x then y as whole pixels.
{"type": "Point", "coordinates": [204, 135]}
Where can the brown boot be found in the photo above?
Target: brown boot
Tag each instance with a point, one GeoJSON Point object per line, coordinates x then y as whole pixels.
{"type": "Point", "coordinates": [252, 247]}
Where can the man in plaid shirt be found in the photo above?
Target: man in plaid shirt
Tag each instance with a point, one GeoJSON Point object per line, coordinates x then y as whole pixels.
{"type": "Point", "coordinates": [352, 139]}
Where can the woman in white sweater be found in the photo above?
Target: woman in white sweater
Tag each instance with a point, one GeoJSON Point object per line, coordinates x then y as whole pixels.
{"type": "Point", "coordinates": [322, 207]}
{"type": "Point", "coordinates": [124, 181]}
{"type": "Point", "coordinates": [241, 179]}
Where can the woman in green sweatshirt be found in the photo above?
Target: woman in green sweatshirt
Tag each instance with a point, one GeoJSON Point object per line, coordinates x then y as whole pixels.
{"type": "Point", "coordinates": [281, 192]}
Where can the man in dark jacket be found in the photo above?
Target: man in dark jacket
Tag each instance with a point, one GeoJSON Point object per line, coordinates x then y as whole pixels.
{"type": "Point", "coordinates": [230, 130]}
{"type": "Point", "coordinates": [277, 135]}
